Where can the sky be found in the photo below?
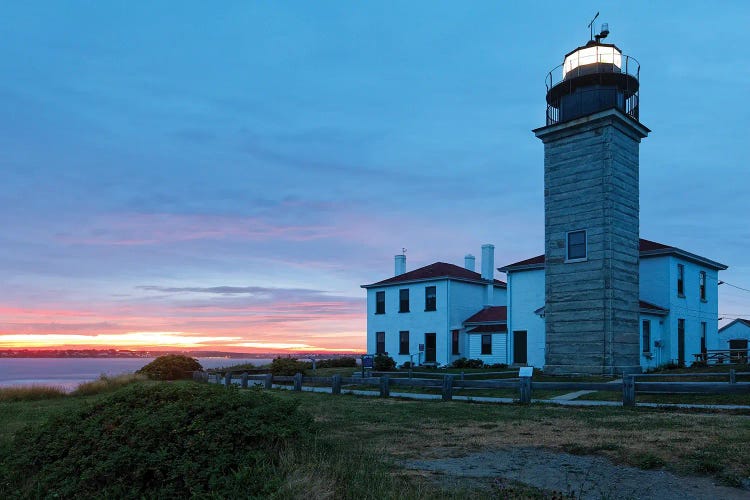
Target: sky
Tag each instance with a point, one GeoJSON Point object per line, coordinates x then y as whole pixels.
{"type": "Point", "coordinates": [225, 175]}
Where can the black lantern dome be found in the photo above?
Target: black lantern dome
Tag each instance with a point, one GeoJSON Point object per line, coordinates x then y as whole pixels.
{"type": "Point", "coordinates": [593, 77]}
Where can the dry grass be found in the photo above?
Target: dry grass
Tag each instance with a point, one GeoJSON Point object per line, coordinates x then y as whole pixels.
{"type": "Point", "coordinates": [683, 441]}
{"type": "Point", "coordinates": [30, 393]}
{"type": "Point", "coordinates": [106, 383]}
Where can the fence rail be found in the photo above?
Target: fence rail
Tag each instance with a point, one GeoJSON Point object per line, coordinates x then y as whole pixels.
{"type": "Point", "coordinates": [524, 386]}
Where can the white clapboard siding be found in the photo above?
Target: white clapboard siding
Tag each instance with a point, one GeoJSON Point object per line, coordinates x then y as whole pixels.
{"type": "Point", "coordinates": [499, 348]}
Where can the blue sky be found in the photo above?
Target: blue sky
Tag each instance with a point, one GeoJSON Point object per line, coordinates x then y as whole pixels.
{"type": "Point", "coordinates": [238, 169]}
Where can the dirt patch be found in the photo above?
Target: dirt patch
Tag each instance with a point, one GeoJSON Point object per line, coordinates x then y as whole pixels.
{"type": "Point", "coordinates": [585, 477]}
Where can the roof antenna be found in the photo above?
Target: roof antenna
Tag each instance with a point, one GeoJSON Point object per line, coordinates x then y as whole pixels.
{"type": "Point", "coordinates": [403, 251]}
{"type": "Point", "coordinates": [591, 27]}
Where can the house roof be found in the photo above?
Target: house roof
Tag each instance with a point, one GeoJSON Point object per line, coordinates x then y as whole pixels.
{"type": "Point", "coordinates": [492, 314]}
{"type": "Point", "coordinates": [649, 308]}
{"type": "Point", "coordinates": [488, 328]}
{"type": "Point", "coordinates": [647, 248]}
{"type": "Point", "coordinates": [438, 270]}
{"type": "Point", "coordinates": [741, 321]}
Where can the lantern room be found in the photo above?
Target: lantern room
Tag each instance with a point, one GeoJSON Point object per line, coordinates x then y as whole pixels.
{"type": "Point", "coordinates": [592, 78]}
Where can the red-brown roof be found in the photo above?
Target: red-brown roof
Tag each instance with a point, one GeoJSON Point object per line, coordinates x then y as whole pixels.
{"type": "Point", "coordinates": [646, 247]}
{"type": "Point", "coordinates": [653, 307]}
{"type": "Point", "coordinates": [492, 314]}
{"type": "Point", "coordinates": [488, 329]}
{"type": "Point", "coordinates": [434, 271]}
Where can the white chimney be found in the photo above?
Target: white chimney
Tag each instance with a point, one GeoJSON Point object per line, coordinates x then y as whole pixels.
{"type": "Point", "coordinates": [488, 271]}
{"type": "Point", "coordinates": [400, 264]}
{"type": "Point", "coordinates": [488, 262]}
{"type": "Point", "coordinates": [469, 262]}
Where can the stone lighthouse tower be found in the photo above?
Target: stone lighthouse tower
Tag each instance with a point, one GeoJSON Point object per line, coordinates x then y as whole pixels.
{"type": "Point", "coordinates": [591, 142]}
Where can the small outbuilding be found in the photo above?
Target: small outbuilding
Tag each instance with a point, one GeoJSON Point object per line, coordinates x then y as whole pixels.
{"type": "Point", "coordinates": [735, 336]}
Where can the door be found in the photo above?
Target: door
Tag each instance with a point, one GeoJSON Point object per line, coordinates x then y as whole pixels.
{"type": "Point", "coordinates": [519, 347]}
{"type": "Point", "coordinates": [429, 348]}
{"type": "Point", "coordinates": [738, 350]}
{"type": "Point", "coordinates": [681, 342]}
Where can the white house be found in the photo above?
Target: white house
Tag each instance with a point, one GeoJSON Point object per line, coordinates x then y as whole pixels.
{"type": "Point", "coordinates": [735, 336]}
{"type": "Point", "coordinates": [418, 316]}
{"type": "Point", "coordinates": [678, 306]}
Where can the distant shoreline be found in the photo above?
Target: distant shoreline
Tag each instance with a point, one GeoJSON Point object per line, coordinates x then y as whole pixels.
{"type": "Point", "coordinates": [122, 353]}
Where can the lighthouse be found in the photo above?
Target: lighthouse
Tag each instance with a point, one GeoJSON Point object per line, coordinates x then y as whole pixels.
{"type": "Point", "coordinates": [591, 208]}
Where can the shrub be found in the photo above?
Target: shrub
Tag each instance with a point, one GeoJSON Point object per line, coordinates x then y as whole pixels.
{"type": "Point", "coordinates": [157, 441]}
{"type": "Point", "coordinates": [30, 393]}
{"type": "Point", "coordinates": [106, 383]}
{"type": "Point", "coordinates": [498, 366]}
{"type": "Point", "coordinates": [340, 362]}
{"type": "Point", "coordinates": [459, 363]}
{"type": "Point", "coordinates": [171, 367]}
{"type": "Point", "coordinates": [383, 363]}
{"type": "Point", "coordinates": [288, 366]}
{"type": "Point", "coordinates": [406, 365]}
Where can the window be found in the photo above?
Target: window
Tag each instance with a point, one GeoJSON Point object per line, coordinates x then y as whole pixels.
{"type": "Point", "coordinates": [403, 342]}
{"type": "Point", "coordinates": [646, 336]}
{"type": "Point", "coordinates": [430, 300]}
{"type": "Point", "coordinates": [403, 302]}
{"type": "Point", "coordinates": [703, 337]}
{"type": "Point", "coordinates": [680, 280]}
{"type": "Point", "coordinates": [487, 344]}
{"type": "Point", "coordinates": [454, 341]}
{"type": "Point", "coordinates": [576, 245]}
{"type": "Point", "coordinates": [380, 343]}
{"type": "Point", "coordinates": [702, 284]}
{"type": "Point", "coordinates": [379, 302]}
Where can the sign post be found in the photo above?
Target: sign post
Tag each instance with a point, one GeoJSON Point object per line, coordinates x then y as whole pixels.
{"type": "Point", "coordinates": [367, 363]}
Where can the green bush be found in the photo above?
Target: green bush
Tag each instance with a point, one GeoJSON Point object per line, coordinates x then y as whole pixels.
{"type": "Point", "coordinates": [157, 441]}
{"type": "Point", "coordinates": [171, 367]}
{"type": "Point", "coordinates": [468, 363]}
{"type": "Point", "coordinates": [288, 366]}
{"type": "Point", "coordinates": [406, 365]}
{"type": "Point", "coordinates": [341, 362]}
{"type": "Point", "coordinates": [383, 363]}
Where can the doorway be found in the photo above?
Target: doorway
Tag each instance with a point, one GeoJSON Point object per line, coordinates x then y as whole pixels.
{"type": "Point", "coordinates": [681, 342]}
{"type": "Point", "coordinates": [520, 349]}
{"type": "Point", "coordinates": [430, 356]}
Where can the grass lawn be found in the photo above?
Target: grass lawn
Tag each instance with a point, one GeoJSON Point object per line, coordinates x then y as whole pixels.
{"type": "Point", "coordinates": [361, 440]}
{"type": "Point", "coordinates": [685, 442]}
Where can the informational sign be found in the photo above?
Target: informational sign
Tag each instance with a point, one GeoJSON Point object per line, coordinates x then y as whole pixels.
{"type": "Point", "coordinates": [367, 361]}
{"type": "Point", "coordinates": [526, 371]}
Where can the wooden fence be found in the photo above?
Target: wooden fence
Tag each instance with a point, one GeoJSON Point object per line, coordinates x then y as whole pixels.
{"type": "Point", "coordinates": [524, 386]}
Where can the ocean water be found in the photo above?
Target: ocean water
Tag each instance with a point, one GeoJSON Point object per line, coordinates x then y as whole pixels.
{"type": "Point", "coordinates": [68, 373]}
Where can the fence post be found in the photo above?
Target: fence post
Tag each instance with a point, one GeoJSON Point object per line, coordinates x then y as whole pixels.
{"type": "Point", "coordinates": [228, 379]}
{"type": "Point", "coordinates": [336, 384]}
{"type": "Point", "coordinates": [732, 376]}
{"type": "Point", "coordinates": [447, 388]}
{"type": "Point", "coordinates": [462, 376]}
{"type": "Point", "coordinates": [298, 382]}
{"type": "Point", "coordinates": [385, 388]}
{"type": "Point", "coordinates": [244, 380]}
{"type": "Point", "coordinates": [628, 390]}
{"type": "Point", "coordinates": [269, 381]}
{"type": "Point", "coordinates": [410, 373]}
{"type": "Point", "coordinates": [524, 388]}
